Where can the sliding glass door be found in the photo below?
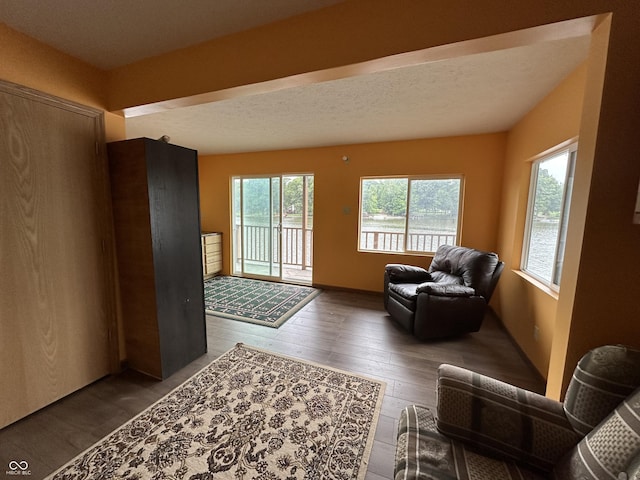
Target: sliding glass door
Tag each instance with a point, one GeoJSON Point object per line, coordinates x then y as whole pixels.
{"type": "Point", "coordinates": [273, 227]}
{"type": "Point", "coordinates": [257, 222]}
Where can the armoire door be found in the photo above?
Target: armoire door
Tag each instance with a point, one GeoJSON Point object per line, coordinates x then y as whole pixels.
{"type": "Point", "coordinates": [177, 253]}
{"type": "Point", "coordinates": [57, 314]}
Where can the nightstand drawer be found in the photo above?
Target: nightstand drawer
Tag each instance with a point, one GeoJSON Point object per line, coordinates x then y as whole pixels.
{"type": "Point", "coordinates": [211, 254]}
{"type": "Point", "coordinates": [212, 239]}
{"type": "Point", "coordinates": [211, 249]}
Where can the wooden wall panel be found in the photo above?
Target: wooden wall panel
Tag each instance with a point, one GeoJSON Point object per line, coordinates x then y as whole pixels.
{"type": "Point", "coordinates": [57, 328]}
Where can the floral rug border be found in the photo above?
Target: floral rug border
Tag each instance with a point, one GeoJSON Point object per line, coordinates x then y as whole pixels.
{"type": "Point", "coordinates": [328, 436]}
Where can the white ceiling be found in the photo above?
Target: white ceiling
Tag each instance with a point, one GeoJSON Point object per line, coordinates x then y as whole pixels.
{"type": "Point", "coordinates": [473, 94]}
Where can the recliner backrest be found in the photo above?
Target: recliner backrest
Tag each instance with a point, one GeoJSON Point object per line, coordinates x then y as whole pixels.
{"type": "Point", "coordinates": [494, 280]}
{"type": "Point", "coordinates": [475, 267]}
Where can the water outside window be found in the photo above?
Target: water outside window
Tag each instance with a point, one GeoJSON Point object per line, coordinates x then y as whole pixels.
{"type": "Point", "coordinates": [548, 216]}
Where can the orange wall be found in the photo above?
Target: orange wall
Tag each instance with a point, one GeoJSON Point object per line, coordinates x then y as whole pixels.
{"type": "Point", "coordinates": [337, 262]}
{"type": "Point", "coordinates": [523, 303]}
{"type": "Point", "coordinates": [30, 63]}
{"type": "Point", "coordinates": [594, 311]}
{"type": "Point", "coordinates": [601, 305]}
{"type": "Point", "coordinates": [350, 32]}
{"type": "Point", "coordinates": [343, 34]}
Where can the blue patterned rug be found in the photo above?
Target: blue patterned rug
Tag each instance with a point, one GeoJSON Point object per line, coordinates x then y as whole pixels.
{"type": "Point", "coordinates": [255, 301]}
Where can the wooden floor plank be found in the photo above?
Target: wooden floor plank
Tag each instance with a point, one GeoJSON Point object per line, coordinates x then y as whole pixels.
{"type": "Point", "coordinates": [345, 330]}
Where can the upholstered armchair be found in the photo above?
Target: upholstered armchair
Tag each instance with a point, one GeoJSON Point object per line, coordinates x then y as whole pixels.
{"type": "Point", "coordinates": [487, 429]}
{"type": "Point", "coordinates": [450, 298]}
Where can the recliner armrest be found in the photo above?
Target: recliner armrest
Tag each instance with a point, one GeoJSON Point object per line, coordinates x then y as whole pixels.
{"type": "Point", "coordinates": [406, 273]}
{"type": "Point", "coordinates": [501, 419]}
{"type": "Point", "coordinates": [446, 289]}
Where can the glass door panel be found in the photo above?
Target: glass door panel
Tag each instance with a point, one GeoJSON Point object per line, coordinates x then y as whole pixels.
{"type": "Point", "coordinates": [236, 227]}
{"type": "Point", "coordinates": [297, 228]}
{"type": "Point", "coordinates": [273, 227]}
{"type": "Point", "coordinates": [260, 222]}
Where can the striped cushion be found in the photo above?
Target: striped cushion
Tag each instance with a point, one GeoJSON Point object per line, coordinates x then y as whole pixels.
{"type": "Point", "coordinates": [608, 451]}
{"type": "Point", "coordinates": [501, 419]}
{"type": "Point", "coordinates": [633, 470]}
{"type": "Point", "coordinates": [424, 454]}
{"type": "Point", "coordinates": [421, 452]}
{"type": "Point", "coordinates": [603, 378]}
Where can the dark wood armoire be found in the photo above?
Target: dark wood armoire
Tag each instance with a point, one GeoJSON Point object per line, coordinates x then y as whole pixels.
{"type": "Point", "coordinates": [154, 187]}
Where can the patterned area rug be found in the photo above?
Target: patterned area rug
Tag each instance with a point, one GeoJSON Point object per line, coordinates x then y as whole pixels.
{"type": "Point", "coordinates": [255, 301]}
{"type": "Point", "coordinates": [250, 414]}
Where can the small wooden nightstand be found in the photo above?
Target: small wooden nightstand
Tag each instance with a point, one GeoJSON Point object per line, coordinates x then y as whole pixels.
{"type": "Point", "coordinates": [211, 254]}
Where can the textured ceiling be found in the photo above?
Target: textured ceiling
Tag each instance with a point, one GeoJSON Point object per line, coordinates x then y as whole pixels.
{"type": "Point", "coordinates": [473, 94]}
{"type": "Point", "coordinates": [482, 93]}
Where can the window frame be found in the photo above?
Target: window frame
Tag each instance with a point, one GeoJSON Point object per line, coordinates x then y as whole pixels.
{"type": "Point", "coordinates": [558, 259]}
{"type": "Point", "coordinates": [405, 233]}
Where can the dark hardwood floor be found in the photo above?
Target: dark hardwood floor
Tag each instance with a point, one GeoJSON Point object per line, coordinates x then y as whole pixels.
{"type": "Point", "coordinates": [345, 330]}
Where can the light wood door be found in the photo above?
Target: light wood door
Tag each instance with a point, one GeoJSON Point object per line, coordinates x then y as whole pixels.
{"type": "Point", "coordinates": [56, 294]}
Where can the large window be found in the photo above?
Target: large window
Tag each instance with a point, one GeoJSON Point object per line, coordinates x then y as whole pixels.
{"type": "Point", "coordinates": [548, 215]}
{"type": "Point", "coordinates": [409, 214]}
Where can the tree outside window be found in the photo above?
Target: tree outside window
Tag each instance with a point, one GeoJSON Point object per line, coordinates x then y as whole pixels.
{"type": "Point", "coordinates": [548, 215]}
{"type": "Point", "coordinates": [409, 214]}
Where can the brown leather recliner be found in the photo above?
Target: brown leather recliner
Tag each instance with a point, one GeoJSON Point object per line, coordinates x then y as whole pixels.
{"type": "Point", "coordinates": [450, 298]}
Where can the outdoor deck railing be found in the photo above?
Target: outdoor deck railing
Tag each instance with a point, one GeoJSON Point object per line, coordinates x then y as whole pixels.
{"type": "Point", "coordinates": [298, 244]}
{"type": "Point", "coordinates": [394, 241]}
